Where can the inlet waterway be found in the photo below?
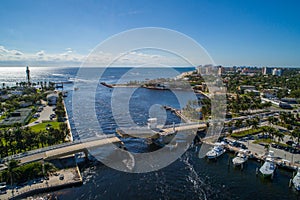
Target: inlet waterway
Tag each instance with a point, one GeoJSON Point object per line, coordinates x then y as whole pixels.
{"type": "Point", "coordinates": [189, 177]}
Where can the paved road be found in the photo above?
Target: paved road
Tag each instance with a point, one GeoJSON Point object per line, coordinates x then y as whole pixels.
{"type": "Point", "coordinates": [71, 175]}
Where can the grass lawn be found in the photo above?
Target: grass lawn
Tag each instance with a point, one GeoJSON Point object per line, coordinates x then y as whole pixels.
{"type": "Point", "coordinates": [246, 133]}
{"type": "Point", "coordinates": [43, 126]}
{"type": "Point", "coordinates": [263, 141]}
{"type": "Point", "coordinates": [32, 120]}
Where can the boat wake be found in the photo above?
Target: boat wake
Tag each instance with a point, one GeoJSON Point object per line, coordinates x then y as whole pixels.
{"type": "Point", "coordinates": [194, 178]}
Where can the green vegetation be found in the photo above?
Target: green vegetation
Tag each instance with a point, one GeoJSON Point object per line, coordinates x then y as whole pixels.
{"type": "Point", "coordinates": [60, 109]}
{"type": "Point", "coordinates": [18, 107]}
{"type": "Point", "coordinates": [245, 102]}
{"type": "Point", "coordinates": [17, 140]}
{"type": "Point", "coordinates": [246, 133]}
{"type": "Point", "coordinates": [191, 110]}
{"type": "Point", "coordinates": [15, 174]}
{"type": "Point", "coordinates": [44, 125]}
{"type": "Point", "coordinates": [263, 140]}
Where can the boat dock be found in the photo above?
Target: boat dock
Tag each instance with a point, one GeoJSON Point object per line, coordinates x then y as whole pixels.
{"type": "Point", "coordinates": [259, 155]}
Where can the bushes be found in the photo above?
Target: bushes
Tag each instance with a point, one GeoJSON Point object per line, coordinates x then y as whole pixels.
{"type": "Point", "coordinates": [246, 133]}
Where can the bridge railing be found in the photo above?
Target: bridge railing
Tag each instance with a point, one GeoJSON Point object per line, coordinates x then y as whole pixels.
{"type": "Point", "coordinates": [57, 146]}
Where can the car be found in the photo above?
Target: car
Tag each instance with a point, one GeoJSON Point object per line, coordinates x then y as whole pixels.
{"type": "Point", "coordinates": [61, 177]}
{"type": "Point", "coordinates": [290, 143]}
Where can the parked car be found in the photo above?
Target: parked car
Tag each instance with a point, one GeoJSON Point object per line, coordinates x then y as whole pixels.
{"type": "Point", "coordinates": [61, 177]}
{"type": "Point", "coordinates": [290, 143]}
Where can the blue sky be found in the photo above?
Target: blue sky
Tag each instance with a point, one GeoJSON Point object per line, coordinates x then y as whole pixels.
{"type": "Point", "coordinates": [234, 32]}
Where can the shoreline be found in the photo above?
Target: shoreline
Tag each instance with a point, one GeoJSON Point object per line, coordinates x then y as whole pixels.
{"type": "Point", "coordinates": [49, 186]}
{"type": "Point", "coordinates": [72, 177]}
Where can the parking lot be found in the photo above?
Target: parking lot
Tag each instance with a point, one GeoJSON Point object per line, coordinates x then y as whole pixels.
{"type": "Point", "coordinates": [44, 115]}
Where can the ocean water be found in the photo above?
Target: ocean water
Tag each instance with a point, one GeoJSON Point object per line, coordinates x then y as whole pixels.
{"type": "Point", "coordinates": [189, 177]}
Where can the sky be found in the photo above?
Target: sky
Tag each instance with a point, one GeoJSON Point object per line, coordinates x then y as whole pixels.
{"type": "Point", "coordinates": [234, 32]}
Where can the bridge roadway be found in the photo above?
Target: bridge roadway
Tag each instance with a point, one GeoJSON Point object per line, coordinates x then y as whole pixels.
{"type": "Point", "coordinates": [145, 132]}
{"type": "Point", "coordinates": [65, 149]}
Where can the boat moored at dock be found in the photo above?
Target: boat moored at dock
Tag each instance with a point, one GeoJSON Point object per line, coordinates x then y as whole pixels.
{"type": "Point", "coordinates": [269, 166]}
{"type": "Point", "coordinates": [217, 151]}
{"type": "Point", "coordinates": [296, 180]}
{"type": "Point", "coordinates": [240, 159]}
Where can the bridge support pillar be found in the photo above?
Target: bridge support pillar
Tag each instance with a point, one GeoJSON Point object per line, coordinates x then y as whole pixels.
{"type": "Point", "coordinates": [86, 153]}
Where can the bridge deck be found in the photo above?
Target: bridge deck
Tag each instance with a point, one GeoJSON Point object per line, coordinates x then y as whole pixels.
{"type": "Point", "coordinates": [156, 133]}
{"type": "Point", "coordinates": [68, 149]}
{"type": "Point", "coordinates": [80, 147]}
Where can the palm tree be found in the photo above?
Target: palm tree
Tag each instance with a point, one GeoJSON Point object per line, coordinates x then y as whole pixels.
{"type": "Point", "coordinates": [248, 122]}
{"type": "Point", "coordinates": [296, 134]}
{"type": "Point", "coordinates": [11, 165]}
{"type": "Point", "coordinates": [255, 122]}
{"type": "Point", "coordinates": [265, 130]}
{"type": "Point", "coordinates": [239, 123]}
{"type": "Point", "coordinates": [279, 135]}
{"type": "Point", "coordinates": [64, 130]}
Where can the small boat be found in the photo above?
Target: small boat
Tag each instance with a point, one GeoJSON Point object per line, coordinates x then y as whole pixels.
{"type": "Point", "coordinates": [106, 85]}
{"type": "Point", "coordinates": [296, 180]}
{"type": "Point", "coordinates": [240, 159]}
{"type": "Point", "coordinates": [217, 151]}
{"type": "Point", "coordinates": [269, 166]}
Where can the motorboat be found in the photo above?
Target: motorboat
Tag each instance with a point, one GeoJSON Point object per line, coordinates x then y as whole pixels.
{"type": "Point", "coordinates": [296, 180]}
{"type": "Point", "coordinates": [240, 159]}
{"type": "Point", "coordinates": [268, 168]}
{"type": "Point", "coordinates": [217, 151]}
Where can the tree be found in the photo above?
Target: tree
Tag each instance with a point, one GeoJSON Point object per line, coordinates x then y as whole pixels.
{"type": "Point", "coordinates": [255, 123]}
{"type": "Point", "coordinates": [11, 165]}
{"type": "Point", "coordinates": [239, 123]}
{"type": "Point", "coordinates": [64, 131]}
{"type": "Point", "coordinates": [296, 134]}
{"type": "Point", "coordinates": [279, 135]}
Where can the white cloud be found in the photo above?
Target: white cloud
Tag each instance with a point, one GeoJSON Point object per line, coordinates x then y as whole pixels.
{"type": "Point", "coordinates": [17, 53]}
{"type": "Point", "coordinates": [70, 57]}
{"type": "Point", "coordinates": [40, 53]}
{"type": "Point", "coordinates": [5, 51]}
{"type": "Point", "coordinates": [69, 50]}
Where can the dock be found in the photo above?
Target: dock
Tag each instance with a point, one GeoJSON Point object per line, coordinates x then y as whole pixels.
{"type": "Point", "coordinates": [258, 155]}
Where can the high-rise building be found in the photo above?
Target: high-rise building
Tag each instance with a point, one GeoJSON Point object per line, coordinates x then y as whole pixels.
{"type": "Point", "coordinates": [267, 70]}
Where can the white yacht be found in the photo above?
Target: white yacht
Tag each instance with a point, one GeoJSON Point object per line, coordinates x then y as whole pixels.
{"type": "Point", "coordinates": [296, 180]}
{"type": "Point", "coordinates": [240, 159]}
{"type": "Point", "coordinates": [269, 166]}
{"type": "Point", "coordinates": [217, 151]}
